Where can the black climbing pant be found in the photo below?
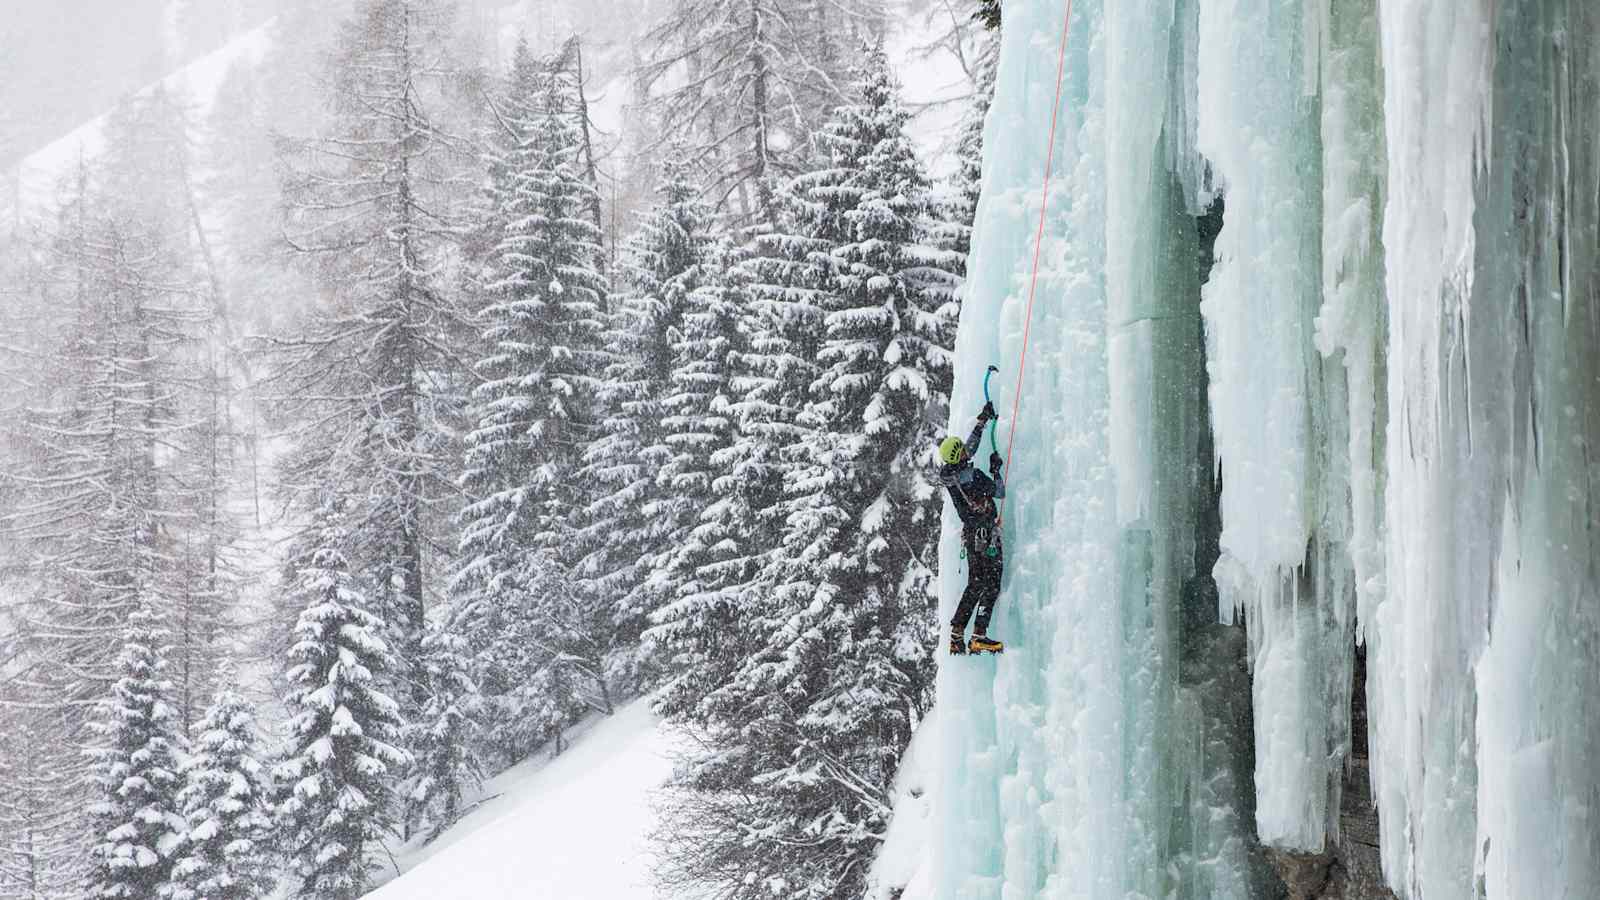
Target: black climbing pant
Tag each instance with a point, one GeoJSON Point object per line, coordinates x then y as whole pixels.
{"type": "Point", "coordinates": [983, 582]}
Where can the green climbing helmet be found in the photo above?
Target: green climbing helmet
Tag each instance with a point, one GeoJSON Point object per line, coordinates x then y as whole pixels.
{"type": "Point", "coordinates": [951, 450]}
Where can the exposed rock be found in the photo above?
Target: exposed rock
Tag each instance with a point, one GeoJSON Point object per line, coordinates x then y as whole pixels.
{"type": "Point", "coordinates": [1307, 876]}
{"type": "Point", "coordinates": [1352, 870]}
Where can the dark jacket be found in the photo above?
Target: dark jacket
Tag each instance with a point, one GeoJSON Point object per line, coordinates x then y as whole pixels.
{"type": "Point", "coordinates": [973, 493]}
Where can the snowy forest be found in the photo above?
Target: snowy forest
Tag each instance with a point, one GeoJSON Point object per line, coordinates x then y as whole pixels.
{"type": "Point", "coordinates": [525, 448]}
{"type": "Point", "coordinates": [372, 420]}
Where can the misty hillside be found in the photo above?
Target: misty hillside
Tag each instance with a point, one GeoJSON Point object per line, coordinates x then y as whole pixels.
{"type": "Point", "coordinates": [387, 388]}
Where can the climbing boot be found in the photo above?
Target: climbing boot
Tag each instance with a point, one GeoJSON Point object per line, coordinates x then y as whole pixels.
{"type": "Point", "coordinates": [982, 643]}
{"type": "Point", "coordinates": [958, 641]}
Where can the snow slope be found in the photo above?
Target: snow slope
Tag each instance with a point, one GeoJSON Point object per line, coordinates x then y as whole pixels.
{"type": "Point", "coordinates": [573, 828]}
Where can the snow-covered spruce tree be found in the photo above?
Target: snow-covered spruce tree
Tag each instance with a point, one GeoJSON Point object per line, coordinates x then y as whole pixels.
{"type": "Point", "coordinates": [225, 849]}
{"type": "Point", "coordinates": [697, 640]}
{"type": "Point", "coordinates": [337, 785]}
{"type": "Point", "coordinates": [371, 382]}
{"type": "Point", "coordinates": [825, 709]}
{"type": "Point", "coordinates": [568, 64]}
{"type": "Point", "coordinates": [748, 82]}
{"type": "Point", "coordinates": [776, 283]}
{"type": "Point", "coordinates": [441, 736]}
{"type": "Point", "coordinates": [136, 821]}
{"type": "Point", "coordinates": [146, 173]}
{"type": "Point", "coordinates": [764, 337]}
{"type": "Point", "coordinates": [988, 13]}
{"type": "Point", "coordinates": [520, 601]}
{"type": "Point", "coordinates": [862, 524]}
{"type": "Point", "coordinates": [494, 619]}
{"type": "Point", "coordinates": [647, 494]}
{"type": "Point", "coordinates": [103, 507]}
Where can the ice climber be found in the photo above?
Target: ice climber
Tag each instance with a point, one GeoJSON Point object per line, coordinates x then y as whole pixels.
{"type": "Point", "coordinates": [974, 495]}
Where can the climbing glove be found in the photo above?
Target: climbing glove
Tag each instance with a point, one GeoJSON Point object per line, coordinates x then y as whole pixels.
{"type": "Point", "coordinates": [995, 462]}
{"type": "Point", "coordinates": [988, 412]}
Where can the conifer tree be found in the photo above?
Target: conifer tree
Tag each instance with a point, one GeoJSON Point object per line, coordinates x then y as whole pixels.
{"type": "Point", "coordinates": [988, 13]}
{"type": "Point", "coordinates": [225, 847]}
{"type": "Point", "coordinates": [371, 382]}
{"type": "Point", "coordinates": [785, 270]}
{"type": "Point", "coordinates": [496, 623]}
{"type": "Point", "coordinates": [762, 74]}
{"type": "Point", "coordinates": [529, 689]}
{"type": "Point", "coordinates": [766, 333]}
{"type": "Point", "coordinates": [41, 824]}
{"type": "Point", "coordinates": [146, 184]}
{"type": "Point", "coordinates": [811, 729]}
{"type": "Point", "coordinates": [568, 64]}
{"type": "Point", "coordinates": [101, 507]}
{"type": "Point", "coordinates": [863, 526]}
{"type": "Point", "coordinates": [533, 417]}
{"type": "Point", "coordinates": [888, 330]}
{"type": "Point", "coordinates": [105, 505]}
{"type": "Point", "coordinates": [337, 784]}
{"type": "Point", "coordinates": [722, 573]}
{"type": "Point", "coordinates": [648, 492]}
{"type": "Point", "coordinates": [697, 637]}
{"type": "Point", "coordinates": [136, 821]}
{"type": "Point", "coordinates": [442, 737]}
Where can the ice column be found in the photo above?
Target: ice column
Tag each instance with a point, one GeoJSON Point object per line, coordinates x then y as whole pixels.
{"type": "Point", "coordinates": [1538, 830]}
{"type": "Point", "coordinates": [1352, 325]}
{"type": "Point", "coordinates": [1445, 496]}
{"type": "Point", "coordinates": [995, 834]}
{"type": "Point", "coordinates": [1281, 411]}
{"type": "Point", "coordinates": [1485, 648]}
{"type": "Point", "coordinates": [1096, 759]}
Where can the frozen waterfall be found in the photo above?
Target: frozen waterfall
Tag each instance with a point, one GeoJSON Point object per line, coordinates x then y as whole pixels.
{"type": "Point", "coordinates": [1357, 424]}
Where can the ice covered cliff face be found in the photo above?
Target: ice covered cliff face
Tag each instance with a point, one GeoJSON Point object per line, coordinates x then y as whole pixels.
{"type": "Point", "coordinates": [1396, 363]}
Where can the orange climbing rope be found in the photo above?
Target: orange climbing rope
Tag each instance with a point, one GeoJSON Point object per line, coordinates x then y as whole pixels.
{"type": "Point", "coordinates": [1038, 239]}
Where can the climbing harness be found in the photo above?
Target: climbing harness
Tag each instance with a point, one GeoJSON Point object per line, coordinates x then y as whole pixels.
{"type": "Point", "coordinates": [986, 536]}
{"type": "Point", "coordinates": [968, 501]}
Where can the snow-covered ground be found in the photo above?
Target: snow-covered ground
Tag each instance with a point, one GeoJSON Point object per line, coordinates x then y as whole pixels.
{"type": "Point", "coordinates": [572, 828]}
{"type": "Point", "coordinates": [902, 862]}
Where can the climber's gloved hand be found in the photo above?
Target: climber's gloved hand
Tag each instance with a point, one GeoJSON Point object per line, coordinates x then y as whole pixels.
{"type": "Point", "coordinates": [988, 412]}
{"type": "Point", "coordinates": [995, 462]}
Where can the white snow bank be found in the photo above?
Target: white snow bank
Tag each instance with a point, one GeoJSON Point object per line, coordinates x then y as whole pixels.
{"type": "Point", "coordinates": [571, 828]}
{"type": "Point", "coordinates": [901, 863]}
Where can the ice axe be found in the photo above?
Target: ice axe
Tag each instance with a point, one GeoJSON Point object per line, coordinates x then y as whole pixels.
{"type": "Point", "coordinates": [994, 445]}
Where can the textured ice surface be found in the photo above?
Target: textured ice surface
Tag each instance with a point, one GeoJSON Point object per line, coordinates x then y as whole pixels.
{"type": "Point", "coordinates": [1259, 126]}
{"type": "Point", "coordinates": [1404, 391]}
{"type": "Point", "coordinates": [1486, 648]}
{"type": "Point", "coordinates": [1105, 755]}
